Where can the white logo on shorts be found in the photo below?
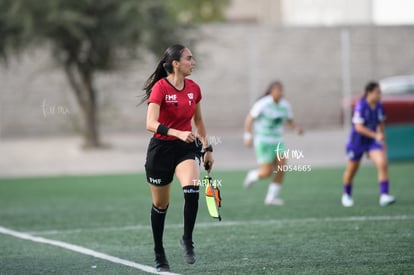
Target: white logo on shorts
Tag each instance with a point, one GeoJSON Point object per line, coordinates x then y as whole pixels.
{"type": "Point", "coordinates": [155, 181]}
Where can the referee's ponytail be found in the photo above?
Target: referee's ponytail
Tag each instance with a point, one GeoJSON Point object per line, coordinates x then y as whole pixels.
{"type": "Point", "coordinates": [164, 68]}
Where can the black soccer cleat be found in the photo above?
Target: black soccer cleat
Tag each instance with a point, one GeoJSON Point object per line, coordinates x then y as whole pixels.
{"type": "Point", "coordinates": [188, 251]}
{"type": "Point", "coordinates": [161, 262]}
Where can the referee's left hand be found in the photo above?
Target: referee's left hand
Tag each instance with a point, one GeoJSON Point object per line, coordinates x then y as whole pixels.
{"type": "Point", "coordinates": [208, 161]}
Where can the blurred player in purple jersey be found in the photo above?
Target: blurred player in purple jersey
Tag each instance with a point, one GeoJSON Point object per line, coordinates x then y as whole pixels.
{"type": "Point", "coordinates": [367, 136]}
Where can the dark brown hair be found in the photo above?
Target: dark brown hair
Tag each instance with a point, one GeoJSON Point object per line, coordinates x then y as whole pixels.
{"type": "Point", "coordinates": [164, 68]}
{"type": "Point", "coordinates": [371, 86]}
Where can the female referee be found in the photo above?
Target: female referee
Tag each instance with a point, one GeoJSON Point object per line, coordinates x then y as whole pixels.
{"type": "Point", "coordinates": [173, 104]}
{"type": "Point", "coordinates": [367, 136]}
{"type": "Point", "coordinates": [268, 116]}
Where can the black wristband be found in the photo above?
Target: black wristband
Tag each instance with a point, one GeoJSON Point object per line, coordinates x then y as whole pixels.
{"type": "Point", "coordinates": [208, 149]}
{"type": "Point", "coordinates": [162, 130]}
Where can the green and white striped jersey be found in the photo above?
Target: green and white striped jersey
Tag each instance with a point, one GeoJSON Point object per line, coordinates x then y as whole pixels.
{"type": "Point", "coordinates": [269, 118]}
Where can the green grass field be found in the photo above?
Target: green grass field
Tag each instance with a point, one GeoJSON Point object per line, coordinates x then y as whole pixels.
{"type": "Point", "coordinates": [311, 234]}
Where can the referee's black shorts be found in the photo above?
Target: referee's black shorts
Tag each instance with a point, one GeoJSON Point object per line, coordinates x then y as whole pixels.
{"type": "Point", "coordinates": [163, 156]}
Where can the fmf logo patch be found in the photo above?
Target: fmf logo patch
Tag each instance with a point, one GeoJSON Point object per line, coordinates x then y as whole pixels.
{"type": "Point", "coordinates": [154, 181]}
{"type": "Point", "coordinates": [170, 98]}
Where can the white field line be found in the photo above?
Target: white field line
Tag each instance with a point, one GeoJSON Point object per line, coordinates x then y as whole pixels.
{"type": "Point", "coordinates": [80, 249]}
{"type": "Point", "coordinates": [215, 223]}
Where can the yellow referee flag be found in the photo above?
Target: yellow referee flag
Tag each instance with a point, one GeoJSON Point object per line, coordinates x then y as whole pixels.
{"type": "Point", "coordinates": [213, 198]}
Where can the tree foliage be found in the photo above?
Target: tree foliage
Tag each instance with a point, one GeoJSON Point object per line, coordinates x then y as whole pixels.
{"type": "Point", "coordinates": [92, 30]}
{"type": "Point", "coordinates": [198, 11]}
{"type": "Point", "coordinates": [88, 36]}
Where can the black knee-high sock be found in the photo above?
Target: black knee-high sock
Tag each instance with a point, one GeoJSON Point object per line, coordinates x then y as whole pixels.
{"type": "Point", "coordinates": [157, 223]}
{"type": "Point", "coordinates": [191, 195]}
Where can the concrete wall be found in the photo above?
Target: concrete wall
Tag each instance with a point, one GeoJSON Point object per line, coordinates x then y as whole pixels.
{"type": "Point", "coordinates": [235, 63]}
